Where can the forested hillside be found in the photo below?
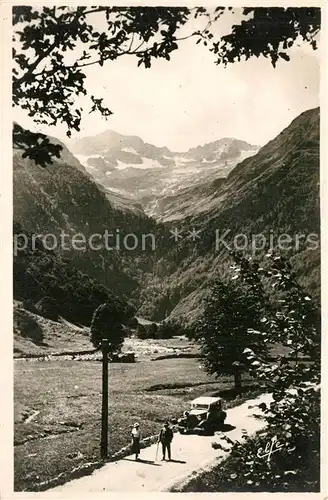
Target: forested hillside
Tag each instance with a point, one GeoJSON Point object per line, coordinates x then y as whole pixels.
{"type": "Point", "coordinates": [272, 193]}
{"type": "Point", "coordinates": [63, 198]}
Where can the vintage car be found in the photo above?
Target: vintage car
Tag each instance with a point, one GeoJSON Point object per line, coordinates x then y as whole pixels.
{"type": "Point", "coordinates": [205, 414]}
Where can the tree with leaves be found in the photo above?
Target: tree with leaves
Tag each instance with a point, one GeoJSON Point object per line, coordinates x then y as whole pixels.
{"type": "Point", "coordinates": [293, 416]}
{"type": "Point", "coordinates": [230, 323]}
{"type": "Point", "coordinates": [108, 323]}
{"type": "Point", "coordinates": [54, 45]}
{"type": "Point", "coordinates": [293, 321]}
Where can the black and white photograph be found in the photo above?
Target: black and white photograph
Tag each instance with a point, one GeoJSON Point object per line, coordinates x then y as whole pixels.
{"type": "Point", "coordinates": [166, 248]}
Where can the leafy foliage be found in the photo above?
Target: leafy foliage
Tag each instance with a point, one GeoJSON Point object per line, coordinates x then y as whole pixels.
{"type": "Point", "coordinates": [107, 323]}
{"type": "Point", "coordinates": [168, 329]}
{"type": "Point", "coordinates": [143, 333]}
{"type": "Point", "coordinates": [293, 416]}
{"type": "Point", "coordinates": [268, 32]}
{"type": "Point", "coordinates": [54, 45]}
{"type": "Point", "coordinates": [146, 331]}
{"type": "Point", "coordinates": [294, 322]}
{"type": "Point", "coordinates": [231, 322]}
{"type": "Point", "coordinates": [164, 330]}
{"type": "Point", "coordinates": [293, 468]}
{"type": "Point", "coordinates": [37, 147]}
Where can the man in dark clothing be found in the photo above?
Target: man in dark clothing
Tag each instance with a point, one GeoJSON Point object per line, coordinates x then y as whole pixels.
{"type": "Point", "coordinates": [165, 437]}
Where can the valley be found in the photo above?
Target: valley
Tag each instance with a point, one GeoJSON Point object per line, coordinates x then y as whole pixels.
{"type": "Point", "coordinates": [141, 190]}
{"type": "Point", "coordinates": [210, 188]}
{"type": "Point", "coordinates": [165, 306]}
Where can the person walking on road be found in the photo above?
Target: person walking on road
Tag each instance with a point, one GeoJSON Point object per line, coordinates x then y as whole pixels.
{"type": "Point", "coordinates": [136, 436]}
{"type": "Point", "coordinates": [165, 438]}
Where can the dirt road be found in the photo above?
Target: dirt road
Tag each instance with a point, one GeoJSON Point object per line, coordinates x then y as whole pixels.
{"type": "Point", "coordinates": [189, 454]}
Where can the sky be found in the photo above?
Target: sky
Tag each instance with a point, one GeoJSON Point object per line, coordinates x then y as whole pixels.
{"type": "Point", "coordinates": [190, 101]}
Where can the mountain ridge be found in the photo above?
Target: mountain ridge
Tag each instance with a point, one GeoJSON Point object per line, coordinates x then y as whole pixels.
{"type": "Point", "coordinates": [146, 173]}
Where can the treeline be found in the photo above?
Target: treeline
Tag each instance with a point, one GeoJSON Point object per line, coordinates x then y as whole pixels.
{"type": "Point", "coordinates": [163, 330]}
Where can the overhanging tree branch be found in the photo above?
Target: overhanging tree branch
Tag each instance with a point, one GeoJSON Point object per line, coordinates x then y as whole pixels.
{"type": "Point", "coordinates": [48, 95]}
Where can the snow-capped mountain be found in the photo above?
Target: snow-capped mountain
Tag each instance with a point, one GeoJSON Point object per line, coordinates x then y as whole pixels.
{"type": "Point", "coordinates": [146, 173]}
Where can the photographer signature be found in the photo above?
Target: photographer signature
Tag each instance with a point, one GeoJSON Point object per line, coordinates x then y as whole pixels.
{"type": "Point", "coordinates": [271, 447]}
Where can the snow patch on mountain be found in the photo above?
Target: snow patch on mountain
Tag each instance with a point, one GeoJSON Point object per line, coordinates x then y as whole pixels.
{"type": "Point", "coordinates": [146, 173]}
{"type": "Point", "coordinates": [130, 150]}
{"type": "Point", "coordinates": [83, 159]}
{"type": "Point", "coordinates": [147, 163]}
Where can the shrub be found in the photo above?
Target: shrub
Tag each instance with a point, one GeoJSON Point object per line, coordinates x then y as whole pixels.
{"type": "Point", "coordinates": [146, 331]}
{"type": "Point", "coordinates": [141, 332]}
{"type": "Point", "coordinates": [27, 326]}
{"type": "Point", "coordinates": [48, 307]}
{"type": "Point", "coordinates": [167, 330]}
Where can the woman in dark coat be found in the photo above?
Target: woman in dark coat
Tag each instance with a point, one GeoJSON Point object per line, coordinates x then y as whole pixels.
{"type": "Point", "coordinates": [136, 436]}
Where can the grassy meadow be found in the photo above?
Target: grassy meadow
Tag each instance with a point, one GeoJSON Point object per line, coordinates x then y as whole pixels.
{"type": "Point", "coordinates": [67, 396]}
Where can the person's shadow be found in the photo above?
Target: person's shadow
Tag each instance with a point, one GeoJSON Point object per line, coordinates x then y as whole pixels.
{"type": "Point", "coordinates": [142, 461]}
{"type": "Point", "coordinates": [177, 461]}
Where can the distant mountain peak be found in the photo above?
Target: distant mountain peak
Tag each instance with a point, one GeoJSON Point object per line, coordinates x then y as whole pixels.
{"type": "Point", "coordinates": [145, 173]}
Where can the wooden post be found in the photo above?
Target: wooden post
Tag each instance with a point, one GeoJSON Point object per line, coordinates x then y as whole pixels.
{"type": "Point", "coordinates": [104, 408]}
{"type": "Point", "coordinates": [237, 375]}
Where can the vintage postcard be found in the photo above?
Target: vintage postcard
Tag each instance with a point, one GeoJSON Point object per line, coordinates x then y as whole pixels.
{"type": "Point", "coordinates": [166, 248]}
